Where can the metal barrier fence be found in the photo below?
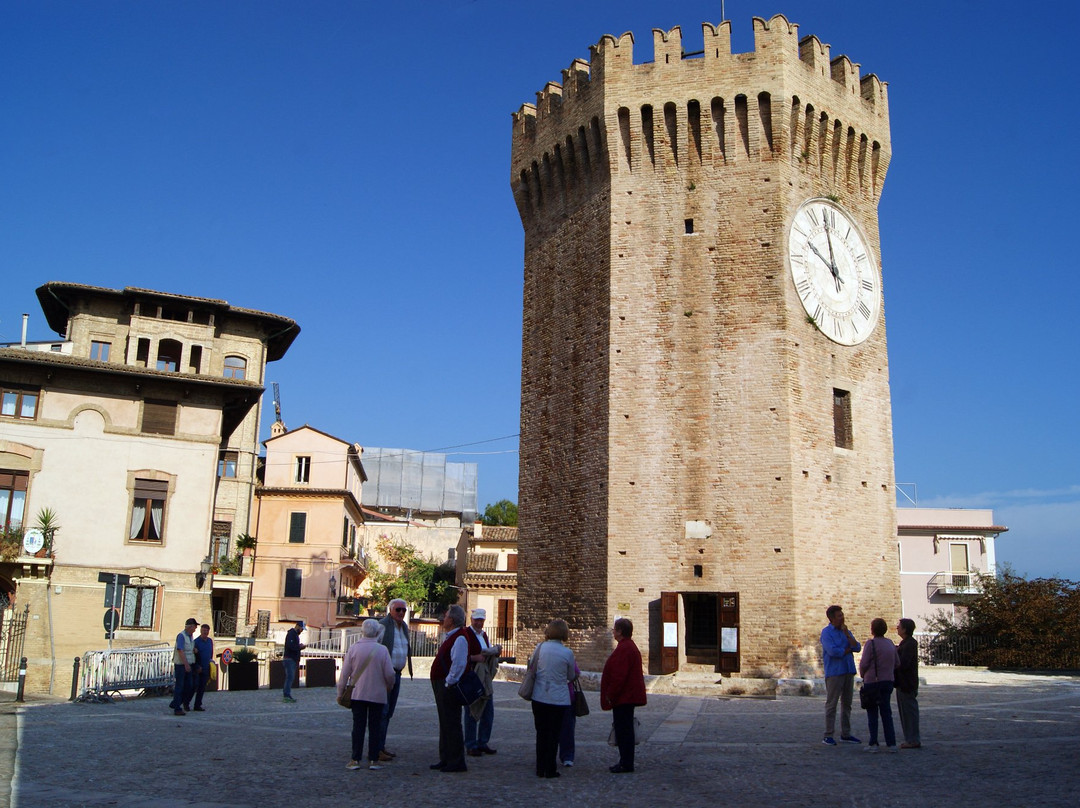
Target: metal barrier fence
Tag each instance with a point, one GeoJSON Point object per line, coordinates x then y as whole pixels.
{"type": "Point", "coordinates": [106, 673]}
{"type": "Point", "coordinates": [12, 634]}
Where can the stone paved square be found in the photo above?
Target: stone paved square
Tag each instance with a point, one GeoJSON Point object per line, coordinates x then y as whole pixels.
{"type": "Point", "coordinates": [990, 739]}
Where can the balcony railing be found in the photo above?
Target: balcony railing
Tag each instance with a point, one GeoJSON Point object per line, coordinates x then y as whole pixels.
{"type": "Point", "coordinates": [954, 584]}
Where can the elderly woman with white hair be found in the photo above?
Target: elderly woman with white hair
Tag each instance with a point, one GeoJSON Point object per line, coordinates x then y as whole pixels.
{"type": "Point", "coordinates": [367, 672]}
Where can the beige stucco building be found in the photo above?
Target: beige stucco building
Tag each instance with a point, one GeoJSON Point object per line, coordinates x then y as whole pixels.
{"type": "Point", "coordinates": [488, 576]}
{"type": "Point", "coordinates": [309, 558]}
{"type": "Point", "coordinates": [943, 551]}
{"type": "Point", "coordinates": [141, 437]}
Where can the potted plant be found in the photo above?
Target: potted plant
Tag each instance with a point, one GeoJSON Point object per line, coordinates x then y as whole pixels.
{"type": "Point", "coordinates": [244, 670]}
{"type": "Point", "coordinates": [48, 523]}
{"type": "Point", "coordinates": [245, 542]}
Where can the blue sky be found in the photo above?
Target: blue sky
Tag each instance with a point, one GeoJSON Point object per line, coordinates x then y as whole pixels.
{"type": "Point", "coordinates": [347, 164]}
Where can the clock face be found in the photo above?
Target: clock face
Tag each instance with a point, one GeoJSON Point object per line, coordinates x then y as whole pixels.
{"type": "Point", "coordinates": [834, 272]}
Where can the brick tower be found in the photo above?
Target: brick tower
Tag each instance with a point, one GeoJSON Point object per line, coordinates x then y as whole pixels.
{"type": "Point", "coordinates": [706, 434]}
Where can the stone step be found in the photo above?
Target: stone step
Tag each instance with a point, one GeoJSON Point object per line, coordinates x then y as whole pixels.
{"type": "Point", "coordinates": [710, 683]}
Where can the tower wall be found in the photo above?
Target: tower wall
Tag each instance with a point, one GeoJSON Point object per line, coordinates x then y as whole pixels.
{"type": "Point", "coordinates": [676, 402]}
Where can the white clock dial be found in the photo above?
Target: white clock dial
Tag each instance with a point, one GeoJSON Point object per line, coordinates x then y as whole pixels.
{"type": "Point", "coordinates": [834, 272]}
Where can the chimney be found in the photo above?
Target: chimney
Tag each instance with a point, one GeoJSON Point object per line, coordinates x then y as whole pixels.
{"type": "Point", "coordinates": [25, 320]}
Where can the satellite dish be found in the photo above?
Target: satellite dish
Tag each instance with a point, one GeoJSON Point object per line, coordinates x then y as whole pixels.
{"type": "Point", "coordinates": [33, 540]}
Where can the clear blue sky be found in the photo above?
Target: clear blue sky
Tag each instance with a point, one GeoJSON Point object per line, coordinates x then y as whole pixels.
{"type": "Point", "coordinates": [346, 163]}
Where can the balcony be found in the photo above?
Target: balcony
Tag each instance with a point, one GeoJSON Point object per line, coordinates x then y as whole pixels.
{"type": "Point", "coordinates": [954, 585]}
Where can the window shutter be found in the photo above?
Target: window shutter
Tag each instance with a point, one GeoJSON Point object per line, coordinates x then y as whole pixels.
{"type": "Point", "coordinates": [151, 489]}
{"type": "Point", "coordinates": [297, 527]}
{"type": "Point", "coordinates": [159, 417]}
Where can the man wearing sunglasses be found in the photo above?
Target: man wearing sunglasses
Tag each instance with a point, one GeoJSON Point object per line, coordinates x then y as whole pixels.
{"type": "Point", "coordinates": [396, 639]}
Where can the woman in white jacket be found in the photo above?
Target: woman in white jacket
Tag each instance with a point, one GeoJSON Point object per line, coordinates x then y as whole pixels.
{"type": "Point", "coordinates": [555, 669]}
{"type": "Point", "coordinates": [367, 664]}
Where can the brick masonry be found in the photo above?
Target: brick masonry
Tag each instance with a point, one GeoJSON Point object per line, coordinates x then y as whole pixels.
{"type": "Point", "coordinates": [669, 376]}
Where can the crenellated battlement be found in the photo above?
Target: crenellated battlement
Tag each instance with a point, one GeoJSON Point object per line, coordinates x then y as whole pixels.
{"type": "Point", "coordinates": [776, 42]}
{"type": "Point", "coordinates": [787, 98]}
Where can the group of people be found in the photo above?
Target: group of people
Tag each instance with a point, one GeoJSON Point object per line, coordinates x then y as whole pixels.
{"type": "Point", "coordinates": [193, 658]}
{"type": "Point", "coordinates": [884, 667]}
{"type": "Point", "coordinates": [371, 676]}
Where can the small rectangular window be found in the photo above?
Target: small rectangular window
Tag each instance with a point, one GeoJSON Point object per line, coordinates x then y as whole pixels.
{"type": "Point", "coordinates": [293, 580]}
{"type": "Point", "coordinates": [13, 486]}
{"type": "Point", "coordinates": [142, 352]}
{"type": "Point", "coordinates": [137, 608]}
{"type": "Point", "coordinates": [195, 359]}
{"type": "Point", "coordinates": [689, 224]}
{"type": "Point", "coordinates": [235, 367]}
{"type": "Point", "coordinates": [148, 510]}
{"type": "Point", "coordinates": [303, 470]}
{"type": "Point", "coordinates": [227, 464]}
{"type": "Point", "coordinates": [842, 428]}
{"type": "Point", "coordinates": [18, 403]}
{"type": "Point", "coordinates": [100, 351]}
{"type": "Point", "coordinates": [159, 417]}
{"type": "Point", "coordinates": [297, 528]}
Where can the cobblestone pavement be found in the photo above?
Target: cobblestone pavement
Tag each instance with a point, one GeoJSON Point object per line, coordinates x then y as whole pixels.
{"type": "Point", "coordinates": [989, 740]}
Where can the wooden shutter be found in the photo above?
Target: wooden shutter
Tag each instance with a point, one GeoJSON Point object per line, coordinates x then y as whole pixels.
{"type": "Point", "coordinates": [159, 417]}
{"type": "Point", "coordinates": [297, 527]}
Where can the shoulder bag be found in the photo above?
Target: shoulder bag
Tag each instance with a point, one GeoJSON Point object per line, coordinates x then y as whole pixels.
{"type": "Point", "coordinates": [866, 698]}
{"type": "Point", "coordinates": [581, 706]}
{"type": "Point", "coordinates": [345, 699]}
{"type": "Point", "coordinates": [529, 682]}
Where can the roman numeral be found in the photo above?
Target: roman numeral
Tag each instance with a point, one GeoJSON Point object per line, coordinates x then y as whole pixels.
{"type": "Point", "coordinates": [830, 217]}
{"type": "Point", "coordinates": [864, 310]}
{"type": "Point", "coordinates": [867, 284]}
{"type": "Point", "coordinates": [812, 216]}
{"type": "Point", "coordinates": [803, 287]}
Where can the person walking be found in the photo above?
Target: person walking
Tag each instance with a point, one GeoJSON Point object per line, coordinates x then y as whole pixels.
{"type": "Point", "coordinates": [183, 668]}
{"type": "Point", "coordinates": [622, 688]}
{"type": "Point", "coordinates": [204, 658]}
{"type": "Point", "coordinates": [877, 665]}
{"type": "Point", "coordinates": [907, 684]}
{"type": "Point", "coordinates": [838, 646]}
{"type": "Point", "coordinates": [555, 667]}
{"type": "Point", "coordinates": [395, 637]}
{"type": "Point", "coordinates": [368, 674]}
{"type": "Point", "coordinates": [291, 659]}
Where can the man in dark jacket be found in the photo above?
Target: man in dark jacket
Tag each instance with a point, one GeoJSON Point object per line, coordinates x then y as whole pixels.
{"type": "Point", "coordinates": [622, 688]}
{"type": "Point", "coordinates": [291, 661]}
{"type": "Point", "coordinates": [907, 684]}
{"type": "Point", "coordinates": [396, 639]}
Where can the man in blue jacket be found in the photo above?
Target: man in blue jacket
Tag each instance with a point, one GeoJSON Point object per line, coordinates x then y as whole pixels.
{"type": "Point", "coordinates": [838, 647]}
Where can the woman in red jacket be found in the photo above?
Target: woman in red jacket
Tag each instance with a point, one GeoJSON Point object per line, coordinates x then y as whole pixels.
{"type": "Point", "coordinates": [622, 688]}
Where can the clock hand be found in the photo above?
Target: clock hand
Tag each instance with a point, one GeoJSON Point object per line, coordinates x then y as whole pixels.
{"type": "Point", "coordinates": [832, 261]}
{"type": "Point", "coordinates": [824, 260]}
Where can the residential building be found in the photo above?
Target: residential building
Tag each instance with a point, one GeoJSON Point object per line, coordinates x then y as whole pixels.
{"type": "Point", "coordinates": [488, 577]}
{"type": "Point", "coordinates": [943, 551]}
{"type": "Point", "coordinates": [419, 499]}
{"type": "Point", "coordinates": [309, 562]}
{"type": "Point", "coordinates": [140, 434]}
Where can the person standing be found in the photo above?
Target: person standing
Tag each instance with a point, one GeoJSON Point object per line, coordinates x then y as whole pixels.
{"type": "Point", "coordinates": [396, 639]}
{"type": "Point", "coordinates": [367, 664]}
{"type": "Point", "coordinates": [204, 658]}
{"type": "Point", "coordinates": [838, 646]}
{"type": "Point", "coordinates": [478, 731]}
{"type": "Point", "coordinates": [449, 665]}
{"type": "Point", "coordinates": [622, 688]}
{"type": "Point", "coordinates": [907, 683]}
{"type": "Point", "coordinates": [555, 666]}
{"type": "Point", "coordinates": [877, 666]}
{"type": "Point", "coordinates": [291, 659]}
{"type": "Point", "coordinates": [183, 668]}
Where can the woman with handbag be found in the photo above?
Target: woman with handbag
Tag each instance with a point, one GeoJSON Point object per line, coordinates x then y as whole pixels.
{"type": "Point", "coordinates": [622, 688]}
{"type": "Point", "coordinates": [877, 666]}
{"type": "Point", "coordinates": [366, 678]}
{"type": "Point", "coordinates": [555, 666]}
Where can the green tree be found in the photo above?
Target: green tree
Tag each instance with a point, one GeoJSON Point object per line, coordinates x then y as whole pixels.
{"type": "Point", "coordinates": [411, 582]}
{"type": "Point", "coordinates": [1016, 623]}
{"type": "Point", "coordinates": [503, 512]}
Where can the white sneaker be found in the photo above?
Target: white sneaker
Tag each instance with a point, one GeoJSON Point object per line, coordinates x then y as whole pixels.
{"type": "Point", "coordinates": [568, 763]}
{"type": "Point", "coordinates": [373, 766]}
{"type": "Point", "coordinates": [352, 765]}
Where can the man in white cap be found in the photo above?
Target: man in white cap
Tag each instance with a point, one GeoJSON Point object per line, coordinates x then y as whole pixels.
{"type": "Point", "coordinates": [479, 717]}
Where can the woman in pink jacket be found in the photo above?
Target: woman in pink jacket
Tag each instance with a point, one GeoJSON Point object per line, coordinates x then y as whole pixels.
{"type": "Point", "coordinates": [367, 666]}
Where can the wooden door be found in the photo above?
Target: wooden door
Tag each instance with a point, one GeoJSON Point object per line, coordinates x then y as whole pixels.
{"type": "Point", "coordinates": [728, 638]}
{"type": "Point", "coordinates": [669, 617]}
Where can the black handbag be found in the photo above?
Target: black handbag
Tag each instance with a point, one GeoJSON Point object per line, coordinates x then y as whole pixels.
{"type": "Point", "coordinates": [581, 706]}
{"type": "Point", "coordinates": [866, 698]}
{"type": "Point", "coordinates": [468, 688]}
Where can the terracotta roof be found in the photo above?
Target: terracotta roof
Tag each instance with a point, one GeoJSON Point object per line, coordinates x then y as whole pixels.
{"type": "Point", "coordinates": [498, 533]}
{"type": "Point", "coordinates": [956, 528]}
